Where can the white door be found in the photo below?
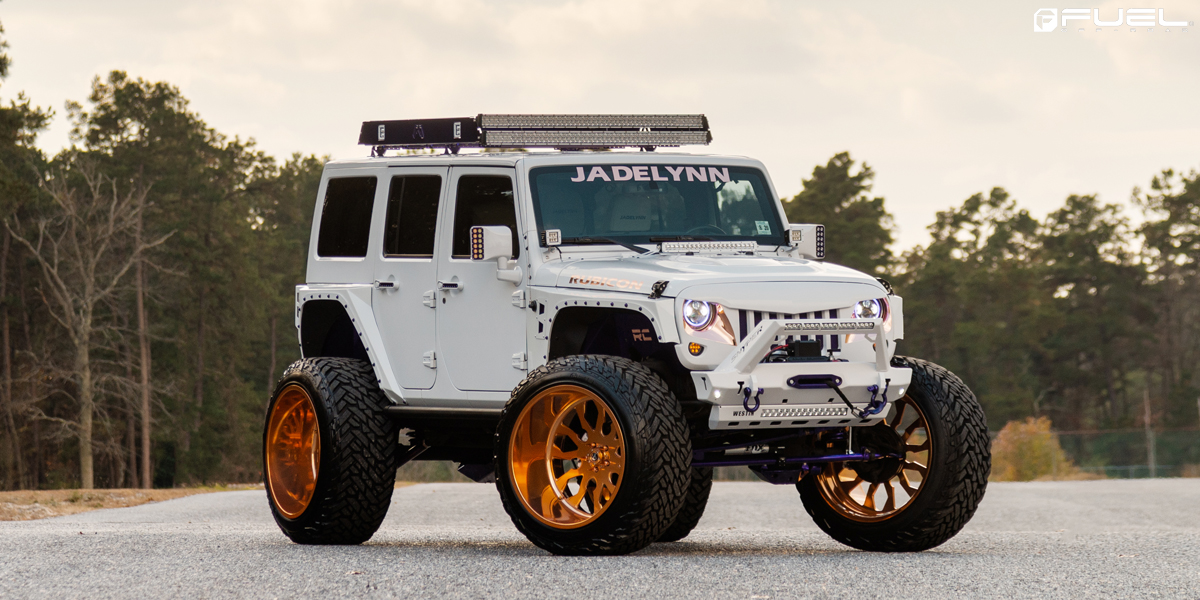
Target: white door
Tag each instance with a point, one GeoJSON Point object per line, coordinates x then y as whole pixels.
{"type": "Point", "coordinates": [406, 273]}
{"type": "Point", "coordinates": [479, 330]}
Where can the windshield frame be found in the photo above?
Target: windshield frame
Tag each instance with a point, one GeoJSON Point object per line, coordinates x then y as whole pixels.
{"type": "Point", "coordinates": [759, 183]}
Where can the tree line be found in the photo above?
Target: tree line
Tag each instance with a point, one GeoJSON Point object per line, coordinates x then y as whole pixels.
{"type": "Point", "coordinates": [146, 283]}
{"type": "Point", "coordinates": [147, 273]}
{"type": "Point", "coordinates": [1077, 317]}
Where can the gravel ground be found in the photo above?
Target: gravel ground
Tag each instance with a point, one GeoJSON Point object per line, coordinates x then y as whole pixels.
{"type": "Point", "coordinates": [1137, 538]}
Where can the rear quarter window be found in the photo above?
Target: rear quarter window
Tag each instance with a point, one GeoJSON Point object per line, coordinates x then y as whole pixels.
{"type": "Point", "coordinates": [346, 217]}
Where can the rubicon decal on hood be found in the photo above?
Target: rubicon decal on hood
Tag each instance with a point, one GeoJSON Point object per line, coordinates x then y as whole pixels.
{"type": "Point", "coordinates": [650, 173]}
{"type": "Point", "coordinates": [613, 282]}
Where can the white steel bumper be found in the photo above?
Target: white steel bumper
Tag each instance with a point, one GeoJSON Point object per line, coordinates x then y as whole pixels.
{"type": "Point", "coordinates": [748, 393]}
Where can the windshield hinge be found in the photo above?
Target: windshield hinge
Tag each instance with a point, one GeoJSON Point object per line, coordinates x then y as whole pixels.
{"type": "Point", "coordinates": [656, 290]}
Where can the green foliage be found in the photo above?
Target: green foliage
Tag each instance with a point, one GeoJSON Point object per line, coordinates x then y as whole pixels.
{"type": "Point", "coordinates": [1028, 450]}
{"type": "Point", "coordinates": [858, 228]}
{"type": "Point", "coordinates": [973, 302]}
{"type": "Point", "coordinates": [219, 293]}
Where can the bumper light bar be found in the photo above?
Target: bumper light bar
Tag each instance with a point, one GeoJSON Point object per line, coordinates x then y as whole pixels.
{"type": "Point", "coordinates": [832, 326]}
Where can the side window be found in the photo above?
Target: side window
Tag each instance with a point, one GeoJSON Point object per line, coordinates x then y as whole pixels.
{"type": "Point", "coordinates": [412, 216]}
{"type": "Point", "coordinates": [346, 217]}
{"type": "Point", "coordinates": [483, 200]}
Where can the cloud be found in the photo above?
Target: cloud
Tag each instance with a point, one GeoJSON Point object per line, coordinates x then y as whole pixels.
{"type": "Point", "coordinates": [944, 99]}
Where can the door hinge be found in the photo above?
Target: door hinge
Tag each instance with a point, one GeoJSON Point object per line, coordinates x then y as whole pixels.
{"type": "Point", "coordinates": [429, 359]}
{"type": "Point", "coordinates": [519, 361]}
{"type": "Point", "coordinates": [429, 299]}
{"type": "Point", "coordinates": [518, 298]}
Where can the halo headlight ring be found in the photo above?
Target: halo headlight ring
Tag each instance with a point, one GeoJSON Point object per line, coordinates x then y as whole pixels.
{"type": "Point", "coordinates": [875, 308]}
{"type": "Point", "coordinates": [698, 314]}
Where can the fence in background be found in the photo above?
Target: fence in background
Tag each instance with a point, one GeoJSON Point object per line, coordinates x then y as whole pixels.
{"type": "Point", "coordinates": [1125, 453]}
{"type": "Point", "coordinates": [1115, 454]}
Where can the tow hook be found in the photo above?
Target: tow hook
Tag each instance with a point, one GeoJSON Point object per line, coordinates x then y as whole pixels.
{"type": "Point", "coordinates": [746, 400]}
{"type": "Point", "coordinates": [875, 406]}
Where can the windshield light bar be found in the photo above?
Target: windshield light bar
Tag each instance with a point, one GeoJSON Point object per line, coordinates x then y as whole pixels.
{"type": "Point", "coordinates": [538, 131]}
{"type": "Point", "coordinates": [680, 247]}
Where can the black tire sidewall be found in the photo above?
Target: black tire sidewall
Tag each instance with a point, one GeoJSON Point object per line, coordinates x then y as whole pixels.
{"type": "Point", "coordinates": [634, 494]}
{"type": "Point", "coordinates": [942, 506]}
{"type": "Point", "coordinates": [813, 498]}
{"type": "Point", "coordinates": [325, 471]}
{"type": "Point", "coordinates": [356, 475]}
{"type": "Point", "coordinates": [633, 456]}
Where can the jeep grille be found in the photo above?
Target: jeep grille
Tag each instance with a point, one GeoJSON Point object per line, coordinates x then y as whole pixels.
{"type": "Point", "coordinates": [747, 320]}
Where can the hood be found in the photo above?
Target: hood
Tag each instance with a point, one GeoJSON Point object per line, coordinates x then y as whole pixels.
{"type": "Point", "coordinates": [637, 274]}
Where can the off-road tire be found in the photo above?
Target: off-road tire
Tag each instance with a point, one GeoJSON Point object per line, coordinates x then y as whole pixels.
{"type": "Point", "coordinates": [693, 506]}
{"type": "Point", "coordinates": [359, 449]}
{"type": "Point", "coordinates": [657, 456]}
{"type": "Point", "coordinates": [957, 478]}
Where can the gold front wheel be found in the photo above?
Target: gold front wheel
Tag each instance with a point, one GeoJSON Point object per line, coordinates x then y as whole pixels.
{"type": "Point", "coordinates": [566, 456]}
{"type": "Point", "coordinates": [293, 451]}
{"type": "Point", "coordinates": [879, 490]}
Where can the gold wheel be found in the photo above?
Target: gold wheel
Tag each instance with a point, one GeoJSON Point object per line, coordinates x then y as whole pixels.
{"type": "Point", "coordinates": [566, 456]}
{"type": "Point", "coordinates": [293, 451]}
{"type": "Point", "coordinates": [879, 490]}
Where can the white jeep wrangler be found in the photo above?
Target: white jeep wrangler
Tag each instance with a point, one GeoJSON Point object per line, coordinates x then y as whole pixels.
{"type": "Point", "coordinates": [594, 331]}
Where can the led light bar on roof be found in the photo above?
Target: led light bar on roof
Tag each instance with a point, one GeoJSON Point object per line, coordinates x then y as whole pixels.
{"type": "Point", "coordinates": [538, 131]}
{"type": "Point", "coordinates": [616, 122]}
{"type": "Point", "coordinates": [563, 138]}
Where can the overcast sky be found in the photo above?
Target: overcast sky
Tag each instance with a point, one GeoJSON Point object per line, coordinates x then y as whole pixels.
{"type": "Point", "coordinates": [943, 99]}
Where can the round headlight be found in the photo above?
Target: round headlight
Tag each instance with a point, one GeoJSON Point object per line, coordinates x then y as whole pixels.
{"type": "Point", "coordinates": [868, 309]}
{"type": "Point", "coordinates": [698, 314]}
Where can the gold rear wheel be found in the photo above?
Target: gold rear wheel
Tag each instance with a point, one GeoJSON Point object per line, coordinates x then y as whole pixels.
{"type": "Point", "coordinates": [293, 451]}
{"type": "Point", "coordinates": [875, 492]}
{"type": "Point", "coordinates": [566, 456]}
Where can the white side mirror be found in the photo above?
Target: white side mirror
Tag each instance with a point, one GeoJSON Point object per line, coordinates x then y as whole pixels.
{"type": "Point", "coordinates": [490, 242]}
{"type": "Point", "coordinates": [494, 242]}
{"type": "Point", "coordinates": [808, 240]}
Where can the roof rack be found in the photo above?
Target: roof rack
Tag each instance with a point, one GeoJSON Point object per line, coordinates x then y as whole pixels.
{"type": "Point", "coordinates": [564, 132]}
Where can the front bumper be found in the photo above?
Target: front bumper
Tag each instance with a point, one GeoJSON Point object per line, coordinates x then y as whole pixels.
{"type": "Point", "coordinates": [747, 393]}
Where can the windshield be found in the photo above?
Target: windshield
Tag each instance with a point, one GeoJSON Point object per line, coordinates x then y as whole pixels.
{"type": "Point", "coordinates": [644, 204]}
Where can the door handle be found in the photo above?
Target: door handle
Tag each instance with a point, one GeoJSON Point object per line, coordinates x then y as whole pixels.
{"type": "Point", "coordinates": [386, 285]}
{"type": "Point", "coordinates": [449, 286]}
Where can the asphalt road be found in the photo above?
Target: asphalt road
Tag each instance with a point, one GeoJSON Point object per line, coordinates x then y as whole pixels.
{"type": "Point", "coordinates": [1137, 538]}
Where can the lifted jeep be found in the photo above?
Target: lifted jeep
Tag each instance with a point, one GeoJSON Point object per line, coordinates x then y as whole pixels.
{"type": "Point", "coordinates": [595, 332]}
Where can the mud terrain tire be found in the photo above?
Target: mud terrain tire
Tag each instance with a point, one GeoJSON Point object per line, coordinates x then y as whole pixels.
{"type": "Point", "coordinates": [657, 456]}
{"type": "Point", "coordinates": [358, 452]}
{"type": "Point", "coordinates": [957, 479]}
{"type": "Point", "coordinates": [693, 506]}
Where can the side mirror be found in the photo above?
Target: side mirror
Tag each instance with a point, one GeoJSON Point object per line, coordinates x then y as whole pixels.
{"type": "Point", "coordinates": [490, 242]}
{"type": "Point", "coordinates": [494, 242]}
{"type": "Point", "coordinates": [808, 240]}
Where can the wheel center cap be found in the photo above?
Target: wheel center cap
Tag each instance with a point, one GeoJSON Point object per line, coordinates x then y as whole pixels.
{"type": "Point", "coordinates": [598, 457]}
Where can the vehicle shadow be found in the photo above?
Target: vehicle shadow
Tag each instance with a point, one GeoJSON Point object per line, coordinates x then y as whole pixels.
{"type": "Point", "coordinates": [682, 549]}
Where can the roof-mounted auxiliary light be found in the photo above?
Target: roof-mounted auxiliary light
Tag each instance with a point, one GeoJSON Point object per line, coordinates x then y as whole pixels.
{"type": "Point", "coordinates": [537, 131]}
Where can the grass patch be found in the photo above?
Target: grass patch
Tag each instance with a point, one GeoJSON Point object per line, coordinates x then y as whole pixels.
{"type": "Point", "coordinates": [27, 505]}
